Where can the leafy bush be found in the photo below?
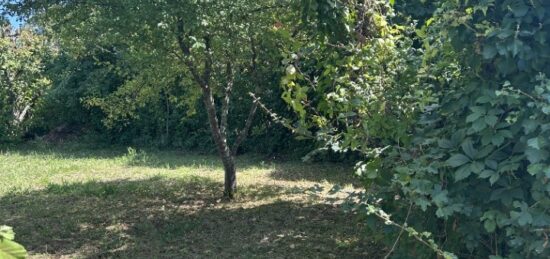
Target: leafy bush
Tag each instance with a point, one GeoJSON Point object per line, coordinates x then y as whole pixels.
{"type": "Point", "coordinates": [481, 156]}
{"type": "Point", "coordinates": [459, 127]}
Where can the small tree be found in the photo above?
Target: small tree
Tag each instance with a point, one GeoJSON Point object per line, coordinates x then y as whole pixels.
{"type": "Point", "coordinates": [212, 45]}
{"type": "Point", "coordinates": [23, 54]}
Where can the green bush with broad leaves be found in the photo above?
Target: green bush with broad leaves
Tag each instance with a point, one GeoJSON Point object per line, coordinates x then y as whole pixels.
{"type": "Point", "coordinates": [455, 116]}
{"type": "Point", "coordinates": [9, 249]}
{"type": "Point", "coordinates": [482, 156]}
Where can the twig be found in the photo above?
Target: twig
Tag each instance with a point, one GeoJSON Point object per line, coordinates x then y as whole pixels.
{"type": "Point", "coordinates": [400, 233]}
{"type": "Point", "coordinates": [277, 119]}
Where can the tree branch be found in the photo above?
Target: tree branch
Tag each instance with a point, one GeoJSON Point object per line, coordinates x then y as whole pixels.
{"type": "Point", "coordinates": [226, 98]}
{"type": "Point", "coordinates": [277, 119]}
{"type": "Point", "coordinates": [180, 32]}
{"type": "Point", "coordinates": [208, 60]}
{"type": "Point", "coordinates": [244, 132]}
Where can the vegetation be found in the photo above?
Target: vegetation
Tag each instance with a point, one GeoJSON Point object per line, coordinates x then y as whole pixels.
{"type": "Point", "coordinates": [22, 77]}
{"type": "Point", "coordinates": [95, 202]}
{"type": "Point", "coordinates": [8, 248]}
{"type": "Point", "coordinates": [442, 105]}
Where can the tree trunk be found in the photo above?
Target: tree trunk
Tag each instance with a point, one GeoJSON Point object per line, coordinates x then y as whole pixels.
{"type": "Point", "coordinates": [230, 186]}
{"type": "Point", "coordinates": [219, 135]}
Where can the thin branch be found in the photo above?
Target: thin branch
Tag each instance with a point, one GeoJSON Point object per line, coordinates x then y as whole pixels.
{"type": "Point", "coordinates": [244, 132]}
{"type": "Point", "coordinates": [277, 119]}
{"type": "Point", "coordinates": [400, 233]}
{"type": "Point", "coordinates": [208, 60]}
{"type": "Point", "coordinates": [227, 98]}
{"type": "Point", "coordinates": [180, 32]}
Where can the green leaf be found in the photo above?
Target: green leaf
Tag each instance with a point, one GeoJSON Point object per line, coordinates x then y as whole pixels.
{"type": "Point", "coordinates": [530, 126]}
{"type": "Point", "coordinates": [11, 250]}
{"type": "Point", "coordinates": [478, 125]}
{"type": "Point", "coordinates": [485, 151]}
{"type": "Point", "coordinates": [473, 117]}
{"type": "Point", "coordinates": [445, 143]}
{"type": "Point", "coordinates": [525, 218]}
{"type": "Point", "coordinates": [491, 120]}
{"type": "Point", "coordinates": [494, 178]}
{"type": "Point", "coordinates": [463, 172]}
{"type": "Point", "coordinates": [468, 148]}
{"type": "Point", "coordinates": [457, 160]}
{"type": "Point", "coordinates": [534, 155]}
{"type": "Point", "coordinates": [441, 197]}
{"type": "Point", "coordinates": [489, 52]}
{"type": "Point", "coordinates": [536, 143]}
{"type": "Point", "coordinates": [534, 169]}
{"type": "Point", "coordinates": [490, 225]}
{"type": "Point", "coordinates": [7, 233]}
{"type": "Point", "coordinates": [519, 8]}
{"type": "Point", "coordinates": [372, 168]}
{"type": "Point", "coordinates": [497, 139]}
{"type": "Point", "coordinates": [477, 167]}
{"type": "Point", "coordinates": [516, 47]}
{"type": "Point", "coordinates": [486, 173]}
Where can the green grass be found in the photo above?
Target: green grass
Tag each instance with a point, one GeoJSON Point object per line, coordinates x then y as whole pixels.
{"type": "Point", "coordinates": [79, 202]}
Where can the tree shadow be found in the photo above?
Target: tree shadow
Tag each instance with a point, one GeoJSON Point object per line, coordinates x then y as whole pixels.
{"type": "Point", "coordinates": [184, 218]}
{"type": "Point", "coordinates": [173, 159]}
{"type": "Point", "coordinates": [134, 157]}
{"type": "Point", "coordinates": [317, 172]}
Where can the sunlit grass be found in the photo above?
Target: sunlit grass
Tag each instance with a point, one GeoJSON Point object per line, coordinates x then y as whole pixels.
{"type": "Point", "coordinates": [72, 201]}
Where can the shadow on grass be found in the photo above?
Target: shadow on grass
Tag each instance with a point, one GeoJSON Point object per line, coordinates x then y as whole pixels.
{"type": "Point", "coordinates": [316, 172]}
{"type": "Point", "coordinates": [289, 170]}
{"type": "Point", "coordinates": [134, 157]}
{"type": "Point", "coordinates": [165, 218]}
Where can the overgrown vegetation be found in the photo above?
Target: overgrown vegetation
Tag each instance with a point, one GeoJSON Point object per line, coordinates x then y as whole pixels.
{"type": "Point", "coordinates": [453, 114]}
{"type": "Point", "coordinates": [444, 105]}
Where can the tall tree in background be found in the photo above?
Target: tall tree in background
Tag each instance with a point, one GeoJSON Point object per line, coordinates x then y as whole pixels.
{"type": "Point", "coordinates": [207, 45]}
{"type": "Point", "coordinates": [23, 54]}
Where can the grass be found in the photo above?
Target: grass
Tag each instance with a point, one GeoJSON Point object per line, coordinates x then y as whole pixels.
{"type": "Point", "coordinates": [75, 202]}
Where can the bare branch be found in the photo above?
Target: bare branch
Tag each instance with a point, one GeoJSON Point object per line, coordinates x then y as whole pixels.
{"type": "Point", "coordinates": [227, 98]}
{"type": "Point", "coordinates": [277, 119]}
{"type": "Point", "coordinates": [244, 132]}
{"type": "Point", "coordinates": [400, 232]}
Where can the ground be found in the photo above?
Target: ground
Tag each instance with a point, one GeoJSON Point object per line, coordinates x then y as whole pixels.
{"type": "Point", "coordinates": [73, 202]}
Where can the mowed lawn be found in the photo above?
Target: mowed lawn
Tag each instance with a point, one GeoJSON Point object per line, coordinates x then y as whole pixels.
{"type": "Point", "coordinates": [73, 201]}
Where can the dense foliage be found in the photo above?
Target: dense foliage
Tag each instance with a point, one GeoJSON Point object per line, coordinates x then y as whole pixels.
{"type": "Point", "coordinates": [458, 126]}
{"type": "Point", "coordinates": [446, 102]}
{"type": "Point", "coordinates": [23, 57]}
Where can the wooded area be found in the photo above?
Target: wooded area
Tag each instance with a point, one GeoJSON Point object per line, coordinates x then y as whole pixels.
{"type": "Point", "coordinates": [424, 126]}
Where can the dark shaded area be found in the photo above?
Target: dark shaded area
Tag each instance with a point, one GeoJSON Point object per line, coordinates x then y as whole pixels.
{"type": "Point", "coordinates": [161, 218]}
{"type": "Point", "coordinates": [318, 172]}
{"type": "Point", "coordinates": [336, 173]}
{"type": "Point", "coordinates": [153, 158]}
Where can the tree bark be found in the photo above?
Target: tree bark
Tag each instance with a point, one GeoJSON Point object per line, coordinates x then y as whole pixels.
{"type": "Point", "coordinates": [244, 132]}
{"type": "Point", "coordinates": [230, 185]}
{"type": "Point", "coordinates": [219, 131]}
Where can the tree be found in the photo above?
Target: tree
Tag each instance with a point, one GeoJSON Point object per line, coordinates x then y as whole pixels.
{"type": "Point", "coordinates": [209, 45]}
{"type": "Point", "coordinates": [23, 57]}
